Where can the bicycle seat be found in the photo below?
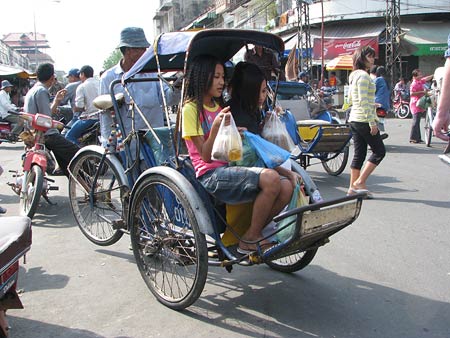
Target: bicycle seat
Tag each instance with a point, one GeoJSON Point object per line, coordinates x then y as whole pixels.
{"type": "Point", "coordinates": [105, 102]}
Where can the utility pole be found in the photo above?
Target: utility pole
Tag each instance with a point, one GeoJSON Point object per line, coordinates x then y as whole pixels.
{"type": "Point", "coordinates": [393, 32]}
{"type": "Point", "coordinates": [304, 36]}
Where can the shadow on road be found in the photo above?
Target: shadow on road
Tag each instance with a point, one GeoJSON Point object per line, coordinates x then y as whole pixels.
{"type": "Point", "coordinates": [128, 256]}
{"type": "Point", "coordinates": [22, 327]}
{"type": "Point", "coordinates": [311, 304]}
{"type": "Point", "coordinates": [41, 280]}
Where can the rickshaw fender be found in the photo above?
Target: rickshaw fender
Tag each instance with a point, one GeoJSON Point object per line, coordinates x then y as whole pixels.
{"type": "Point", "coordinates": [100, 151]}
{"type": "Point", "coordinates": [200, 212]}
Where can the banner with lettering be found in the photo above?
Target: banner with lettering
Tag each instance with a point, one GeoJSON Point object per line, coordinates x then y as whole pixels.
{"type": "Point", "coordinates": [334, 47]}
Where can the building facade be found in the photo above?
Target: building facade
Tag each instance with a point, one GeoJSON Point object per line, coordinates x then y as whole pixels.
{"type": "Point", "coordinates": [31, 45]}
{"type": "Point", "coordinates": [424, 25]}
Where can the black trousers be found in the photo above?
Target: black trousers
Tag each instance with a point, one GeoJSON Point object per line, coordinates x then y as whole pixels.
{"type": "Point", "coordinates": [63, 149]}
{"type": "Point", "coordinates": [415, 127]}
{"type": "Point", "coordinates": [361, 139]}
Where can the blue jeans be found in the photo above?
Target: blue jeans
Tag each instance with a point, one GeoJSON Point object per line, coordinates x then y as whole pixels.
{"type": "Point", "coordinates": [78, 129]}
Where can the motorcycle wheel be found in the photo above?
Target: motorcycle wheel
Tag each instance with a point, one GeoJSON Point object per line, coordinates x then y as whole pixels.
{"type": "Point", "coordinates": [293, 262]}
{"type": "Point", "coordinates": [403, 111]}
{"type": "Point", "coordinates": [29, 197]}
{"type": "Point", "coordinates": [96, 218]}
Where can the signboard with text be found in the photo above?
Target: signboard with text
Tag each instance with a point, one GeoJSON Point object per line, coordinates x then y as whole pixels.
{"type": "Point", "coordinates": [334, 47]}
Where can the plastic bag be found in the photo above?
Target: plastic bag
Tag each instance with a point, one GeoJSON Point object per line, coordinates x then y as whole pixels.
{"type": "Point", "coordinates": [271, 154]}
{"type": "Point", "coordinates": [275, 131]}
{"type": "Point", "coordinates": [249, 156]}
{"type": "Point", "coordinates": [228, 144]}
{"type": "Point", "coordinates": [298, 199]}
{"type": "Point", "coordinates": [424, 102]}
{"type": "Point", "coordinates": [291, 125]}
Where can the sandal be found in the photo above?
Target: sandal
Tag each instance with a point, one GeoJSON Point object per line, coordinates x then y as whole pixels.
{"type": "Point", "coordinates": [248, 250]}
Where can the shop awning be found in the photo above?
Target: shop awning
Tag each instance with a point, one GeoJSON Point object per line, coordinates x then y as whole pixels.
{"type": "Point", "coordinates": [429, 38]}
{"type": "Point", "coordinates": [6, 70]}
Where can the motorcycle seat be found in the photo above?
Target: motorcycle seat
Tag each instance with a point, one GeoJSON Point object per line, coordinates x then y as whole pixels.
{"type": "Point", "coordinates": [15, 239]}
{"type": "Point", "coordinates": [104, 102]}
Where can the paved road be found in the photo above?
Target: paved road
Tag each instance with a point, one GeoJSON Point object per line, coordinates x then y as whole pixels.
{"type": "Point", "coordinates": [387, 275]}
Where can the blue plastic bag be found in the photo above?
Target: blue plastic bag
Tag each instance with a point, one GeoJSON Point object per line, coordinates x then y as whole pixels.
{"type": "Point", "coordinates": [271, 154]}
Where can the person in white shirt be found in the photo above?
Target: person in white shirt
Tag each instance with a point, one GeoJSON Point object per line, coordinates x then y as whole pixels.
{"type": "Point", "coordinates": [86, 92]}
{"type": "Point", "coordinates": [6, 105]}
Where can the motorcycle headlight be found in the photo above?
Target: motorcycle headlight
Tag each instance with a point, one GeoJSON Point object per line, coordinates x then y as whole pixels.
{"type": "Point", "coordinates": [44, 121]}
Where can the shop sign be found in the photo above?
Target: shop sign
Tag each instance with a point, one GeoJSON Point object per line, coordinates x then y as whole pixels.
{"type": "Point", "coordinates": [427, 49]}
{"type": "Point", "coordinates": [334, 47]}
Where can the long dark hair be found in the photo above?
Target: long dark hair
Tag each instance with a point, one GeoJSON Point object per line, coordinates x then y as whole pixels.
{"type": "Point", "coordinates": [360, 57]}
{"type": "Point", "coordinates": [199, 78]}
{"type": "Point", "coordinates": [245, 86]}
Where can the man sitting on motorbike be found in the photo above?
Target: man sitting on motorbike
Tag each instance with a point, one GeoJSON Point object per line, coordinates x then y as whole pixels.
{"type": "Point", "coordinates": [401, 90]}
{"type": "Point", "coordinates": [37, 100]}
{"type": "Point", "coordinates": [6, 105]}
{"type": "Point", "coordinates": [86, 92]}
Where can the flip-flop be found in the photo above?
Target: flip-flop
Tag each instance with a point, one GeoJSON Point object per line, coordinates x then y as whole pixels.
{"type": "Point", "coordinates": [369, 195]}
{"type": "Point", "coordinates": [264, 247]}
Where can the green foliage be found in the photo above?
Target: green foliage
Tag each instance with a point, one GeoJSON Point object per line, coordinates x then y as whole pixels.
{"type": "Point", "coordinates": [113, 59]}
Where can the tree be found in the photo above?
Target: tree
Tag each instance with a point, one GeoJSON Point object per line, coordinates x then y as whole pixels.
{"type": "Point", "coordinates": [112, 59]}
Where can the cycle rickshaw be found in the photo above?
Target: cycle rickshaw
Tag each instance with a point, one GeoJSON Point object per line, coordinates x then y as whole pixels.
{"type": "Point", "coordinates": [176, 228]}
{"type": "Point", "coordinates": [320, 134]}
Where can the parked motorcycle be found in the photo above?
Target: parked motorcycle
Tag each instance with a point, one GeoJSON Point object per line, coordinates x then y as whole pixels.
{"type": "Point", "coordinates": [6, 134]}
{"type": "Point", "coordinates": [33, 182]}
{"type": "Point", "coordinates": [15, 241]}
{"type": "Point", "coordinates": [401, 105]}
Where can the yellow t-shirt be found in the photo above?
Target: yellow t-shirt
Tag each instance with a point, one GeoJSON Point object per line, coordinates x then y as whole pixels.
{"type": "Point", "coordinates": [193, 125]}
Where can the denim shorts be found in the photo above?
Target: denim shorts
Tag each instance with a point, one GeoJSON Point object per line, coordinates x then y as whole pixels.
{"type": "Point", "coordinates": [232, 185]}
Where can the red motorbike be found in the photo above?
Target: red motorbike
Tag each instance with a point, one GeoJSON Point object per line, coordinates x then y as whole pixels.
{"type": "Point", "coordinates": [6, 134]}
{"type": "Point", "coordinates": [15, 241]}
{"type": "Point", "coordinates": [401, 105]}
{"type": "Point", "coordinates": [33, 182]}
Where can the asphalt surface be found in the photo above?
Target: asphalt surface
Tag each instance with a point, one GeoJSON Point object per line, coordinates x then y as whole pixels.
{"type": "Point", "coordinates": [387, 275]}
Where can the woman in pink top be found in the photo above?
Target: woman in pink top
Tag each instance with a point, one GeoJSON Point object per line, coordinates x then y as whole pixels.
{"type": "Point", "coordinates": [417, 90]}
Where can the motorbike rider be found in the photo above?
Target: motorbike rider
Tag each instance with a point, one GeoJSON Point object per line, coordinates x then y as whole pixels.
{"type": "Point", "coordinates": [85, 95]}
{"type": "Point", "coordinates": [6, 105]}
{"type": "Point", "coordinates": [37, 100]}
{"type": "Point", "coordinates": [67, 104]}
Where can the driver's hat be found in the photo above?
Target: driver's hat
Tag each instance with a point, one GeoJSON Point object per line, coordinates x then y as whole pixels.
{"type": "Point", "coordinates": [133, 37]}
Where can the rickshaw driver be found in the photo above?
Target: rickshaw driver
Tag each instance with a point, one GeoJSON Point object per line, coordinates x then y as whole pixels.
{"type": "Point", "coordinates": [146, 95]}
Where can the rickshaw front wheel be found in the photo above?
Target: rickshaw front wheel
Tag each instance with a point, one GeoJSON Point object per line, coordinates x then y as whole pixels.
{"type": "Point", "coordinates": [169, 249]}
{"type": "Point", "coordinates": [293, 263]}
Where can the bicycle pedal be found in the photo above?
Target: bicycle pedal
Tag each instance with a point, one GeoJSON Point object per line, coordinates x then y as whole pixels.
{"type": "Point", "coordinates": [118, 224]}
{"type": "Point", "coordinates": [53, 188]}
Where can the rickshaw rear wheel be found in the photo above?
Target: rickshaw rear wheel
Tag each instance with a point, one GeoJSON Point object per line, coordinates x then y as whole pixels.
{"type": "Point", "coordinates": [170, 251]}
{"type": "Point", "coordinates": [336, 166]}
{"type": "Point", "coordinates": [293, 263]}
{"type": "Point", "coordinates": [95, 218]}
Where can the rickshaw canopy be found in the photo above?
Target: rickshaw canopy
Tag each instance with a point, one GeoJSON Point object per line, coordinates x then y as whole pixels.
{"type": "Point", "coordinates": [174, 49]}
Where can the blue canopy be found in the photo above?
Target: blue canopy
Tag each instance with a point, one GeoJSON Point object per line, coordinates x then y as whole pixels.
{"type": "Point", "coordinates": [175, 49]}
